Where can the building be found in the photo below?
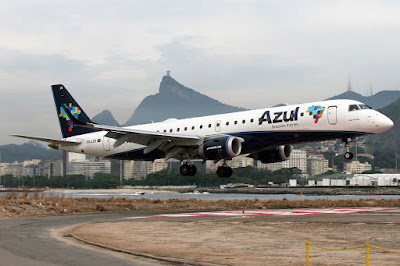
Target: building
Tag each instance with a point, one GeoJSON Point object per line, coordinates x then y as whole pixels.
{"type": "Point", "coordinates": [137, 169]}
{"type": "Point", "coordinates": [50, 168]}
{"type": "Point", "coordinates": [317, 165]}
{"type": "Point", "coordinates": [356, 167]}
{"type": "Point", "coordinates": [298, 159]}
{"type": "Point", "coordinates": [241, 161]}
{"type": "Point", "coordinates": [89, 167]}
{"type": "Point", "coordinates": [159, 165]}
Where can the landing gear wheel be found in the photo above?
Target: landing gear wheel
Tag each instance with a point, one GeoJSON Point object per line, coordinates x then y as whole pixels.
{"type": "Point", "coordinates": [185, 169]}
{"type": "Point", "coordinates": [224, 171]}
{"type": "Point", "coordinates": [348, 155]}
{"type": "Point", "coordinates": [188, 170]}
{"type": "Point", "coordinates": [221, 171]}
{"type": "Point", "coordinates": [192, 170]}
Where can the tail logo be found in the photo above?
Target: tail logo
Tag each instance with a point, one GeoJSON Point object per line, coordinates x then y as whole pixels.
{"type": "Point", "coordinates": [316, 111]}
{"type": "Point", "coordinates": [75, 111]}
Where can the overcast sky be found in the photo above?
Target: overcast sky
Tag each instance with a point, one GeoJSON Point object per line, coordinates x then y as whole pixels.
{"type": "Point", "coordinates": [252, 54]}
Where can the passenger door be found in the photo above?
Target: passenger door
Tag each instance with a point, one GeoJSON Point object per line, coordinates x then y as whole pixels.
{"type": "Point", "coordinates": [332, 115]}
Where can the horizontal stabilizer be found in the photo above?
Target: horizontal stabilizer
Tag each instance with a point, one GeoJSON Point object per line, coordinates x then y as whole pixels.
{"type": "Point", "coordinates": [52, 141]}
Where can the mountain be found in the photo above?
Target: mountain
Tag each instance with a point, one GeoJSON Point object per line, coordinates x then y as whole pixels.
{"type": "Point", "coordinates": [105, 118]}
{"type": "Point", "coordinates": [27, 151]}
{"type": "Point", "coordinates": [388, 140]}
{"type": "Point", "coordinates": [379, 100]}
{"type": "Point", "coordinates": [176, 101]}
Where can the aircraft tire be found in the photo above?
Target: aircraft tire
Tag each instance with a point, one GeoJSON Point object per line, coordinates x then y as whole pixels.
{"type": "Point", "coordinates": [224, 171]}
{"type": "Point", "coordinates": [184, 169]}
{"type": "Point", "coordinates": [221, 171]}
{"type": "Point", "coordinates": [192, 170]}
{"type": "Point", "coordinates": [348, 155]}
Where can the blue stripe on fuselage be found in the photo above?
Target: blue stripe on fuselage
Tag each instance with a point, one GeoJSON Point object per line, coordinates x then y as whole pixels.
{"type": "Point", "coordinates": [254, 141]}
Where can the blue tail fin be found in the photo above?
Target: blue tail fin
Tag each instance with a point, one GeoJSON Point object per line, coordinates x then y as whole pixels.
{"type": "Point", "coordinates": [62, 98]}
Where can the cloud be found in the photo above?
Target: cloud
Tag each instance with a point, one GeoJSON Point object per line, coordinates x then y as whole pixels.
{"type": "Point", "coordinates": [252, 54]}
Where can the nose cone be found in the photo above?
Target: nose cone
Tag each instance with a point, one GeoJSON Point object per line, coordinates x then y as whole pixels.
{"type": "Point", "coordinates": [383, 123]}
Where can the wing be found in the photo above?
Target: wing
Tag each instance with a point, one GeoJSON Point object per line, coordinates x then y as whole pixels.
{"type": "Point", "coordinates": [171, 143]}
{"type": "Point", "coordinates": [51, 141]}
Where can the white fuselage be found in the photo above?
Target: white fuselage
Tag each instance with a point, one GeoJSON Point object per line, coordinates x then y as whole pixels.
{"type": "Point", "coordinates": [259, 129]}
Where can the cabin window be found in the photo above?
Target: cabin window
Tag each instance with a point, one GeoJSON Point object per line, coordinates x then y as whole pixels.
{"type": "Point", "coordinates": [251, 120]}
{"type": "Point", "coordinates": [243, 121]}
{"type": "Point", "coordinates": [192, 127]}
{"type": "Point", "coordinates": [235, 122]}
{"type": "Point", "coordinates": [227, 123]}
{"type": "Point", "coordinates": [170, 130]}
{"type": "Point", "coordinates": [201, 126]}
{"type": "Point", "coordinates": [165, 130]}
{"type": "Point", "coordinates": [178, 129]}
{"type": "Point", "coordinates": [218, 124]}
{"type": "Point", "coordinates": [209, 125]}
{"type": "Point", "coordinates": [185, 128]}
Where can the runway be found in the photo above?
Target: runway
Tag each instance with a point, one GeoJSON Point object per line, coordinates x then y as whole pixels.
{"type": "Point", "coordinates": [29, 241]}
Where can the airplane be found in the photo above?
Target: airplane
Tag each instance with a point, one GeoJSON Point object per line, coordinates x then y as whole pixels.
{"type": "Point", "coordinates": [264, 134]}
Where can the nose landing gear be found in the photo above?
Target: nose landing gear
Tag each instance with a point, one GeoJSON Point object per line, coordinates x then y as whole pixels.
{"type": "Point", "coordinates": [347, 154]}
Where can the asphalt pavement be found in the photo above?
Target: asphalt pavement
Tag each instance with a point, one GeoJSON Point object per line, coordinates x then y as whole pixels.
{"type": "Point", "coordinates": [29, 241]}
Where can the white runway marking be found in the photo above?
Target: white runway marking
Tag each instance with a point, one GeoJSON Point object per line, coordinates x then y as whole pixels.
{"type": "Point", "coordinates": [269, 212]}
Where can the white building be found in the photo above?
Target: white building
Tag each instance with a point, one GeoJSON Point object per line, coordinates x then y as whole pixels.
{"type": "Point", "coordinates": [356, 167]}
{"type": "Point", "coordinates": [159, 165]}
{"type": "Point", "coordinates": [298, 159]}
{"type": "Point", "coordinates": [137, 169]}
{"type": "Point", "coordinates": [241, 161]}
{"type": "Point", "coordinates": [317, 164]}
{"type": "Point", "coordinates": [89, 167]}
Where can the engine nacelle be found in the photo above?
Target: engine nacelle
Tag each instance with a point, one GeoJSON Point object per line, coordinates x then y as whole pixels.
{"type": "Point", "coordinates": [275, 155]}
{"type": "Point", "coordinates": [220, 148]}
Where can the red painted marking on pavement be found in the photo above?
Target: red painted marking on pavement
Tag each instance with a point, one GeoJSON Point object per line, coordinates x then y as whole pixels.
{"type": "Point", "coordinates": [269, 212]}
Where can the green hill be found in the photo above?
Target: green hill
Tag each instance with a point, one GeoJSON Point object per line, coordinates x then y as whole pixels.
{"type": "Point", "coordinates": [376, 101]}
{"type": "Point", "coordinates": [27, 151]}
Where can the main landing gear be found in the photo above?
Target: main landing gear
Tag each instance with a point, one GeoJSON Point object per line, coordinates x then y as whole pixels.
{"type": "Point", "coordinates": [347, 154]}
{"type": "Point", "coordinates": [188, 169]}
{"type": "Point", "coordinates": [224, 171]}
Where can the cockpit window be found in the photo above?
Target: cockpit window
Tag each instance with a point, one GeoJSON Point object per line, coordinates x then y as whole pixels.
{"type": "Point", "coordinates": [364, 106]}
{"type": "Point", "coordinates": [353, 107]}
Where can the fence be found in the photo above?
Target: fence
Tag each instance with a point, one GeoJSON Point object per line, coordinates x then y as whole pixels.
{"type": "Point", "coordinates": [367, 248]}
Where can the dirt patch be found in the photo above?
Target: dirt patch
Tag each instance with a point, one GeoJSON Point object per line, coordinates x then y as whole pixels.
{"type": "Point", "coordinates": [14, 205]}
{"type": "Point", "coordinates": [237, 242]}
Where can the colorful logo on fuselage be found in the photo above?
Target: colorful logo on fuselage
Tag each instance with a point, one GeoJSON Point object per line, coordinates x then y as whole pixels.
{"type": "Point", "coordinates": [75, 111]}
{"type": "Point", "coordinates": [316, 111]}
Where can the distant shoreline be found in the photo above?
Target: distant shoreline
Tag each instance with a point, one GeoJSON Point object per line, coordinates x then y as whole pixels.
{"type": "Point", "coordinates": [243, 190]}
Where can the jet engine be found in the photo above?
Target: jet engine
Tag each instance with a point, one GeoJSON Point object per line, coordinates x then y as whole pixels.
{"type": "Point", "coordinates": [220, 148]}
{"type": "Point", "coordinates": [275, 155]}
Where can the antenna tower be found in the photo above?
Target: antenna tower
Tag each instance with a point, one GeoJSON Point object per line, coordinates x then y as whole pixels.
{"type": "Point", "coordinates": [349, 85]}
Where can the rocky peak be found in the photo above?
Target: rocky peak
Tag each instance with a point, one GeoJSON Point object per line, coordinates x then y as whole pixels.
{"type": "Point", "coordinates": [170, 86]}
